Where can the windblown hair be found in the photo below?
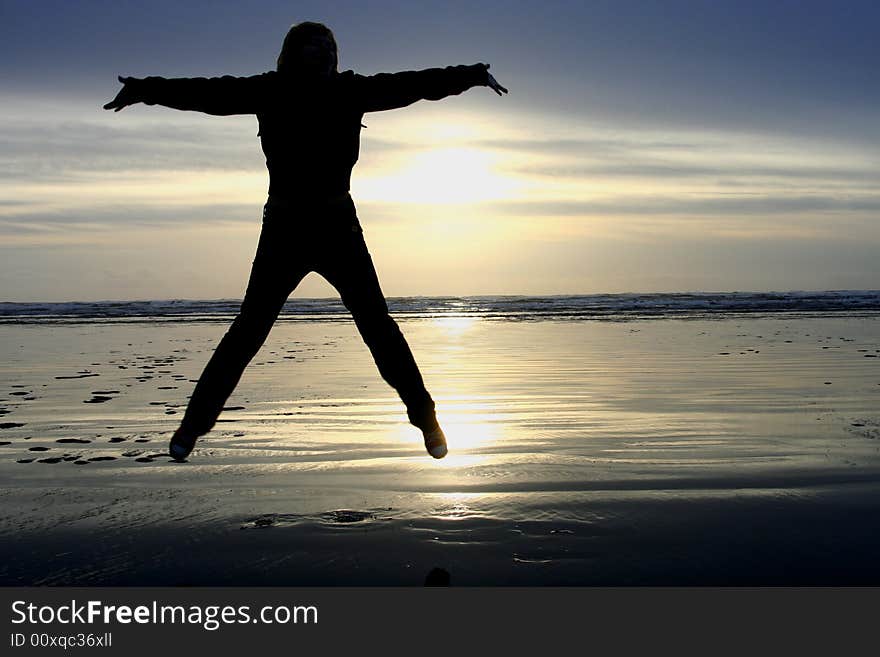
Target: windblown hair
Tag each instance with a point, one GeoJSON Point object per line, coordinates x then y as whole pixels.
{"type": "Point", "coordinates": [294, 40]}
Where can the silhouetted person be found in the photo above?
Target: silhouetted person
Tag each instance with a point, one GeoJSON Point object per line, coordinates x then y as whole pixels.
{"type": "Point", "coordinates": [310, 120]}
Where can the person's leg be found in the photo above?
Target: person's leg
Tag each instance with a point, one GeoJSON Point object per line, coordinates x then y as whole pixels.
{"type": "Point", "coordinates": [271, 281]}
{"type": "Point", "coordinates": [349, 268]}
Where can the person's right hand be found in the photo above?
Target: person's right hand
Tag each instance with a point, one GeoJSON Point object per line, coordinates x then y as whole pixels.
{"type": "Point", "coordinates": [126, 95]}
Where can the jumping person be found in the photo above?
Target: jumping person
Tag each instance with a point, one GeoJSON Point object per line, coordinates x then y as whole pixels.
{"type": "Point", "coordinates": [309, 116]}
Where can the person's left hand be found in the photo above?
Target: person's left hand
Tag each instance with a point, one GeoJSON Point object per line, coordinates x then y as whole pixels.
{"type": "Point", "coordinates": [494, 86]}
{"type": "Point", "coordinates": [126, 95]}
{"type": "Point", "coordinates": [491, 82]}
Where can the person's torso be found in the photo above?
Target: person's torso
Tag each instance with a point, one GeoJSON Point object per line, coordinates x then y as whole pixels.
{"type": "Point", "coordinates": [310, 135]}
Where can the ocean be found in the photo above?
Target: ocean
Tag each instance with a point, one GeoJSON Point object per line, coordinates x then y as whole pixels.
{"type": "Point", "coordinates": [615, 307]}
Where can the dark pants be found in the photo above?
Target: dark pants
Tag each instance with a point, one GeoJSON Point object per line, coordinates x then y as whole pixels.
{"type": "Point", "coordinates": [325, 238]}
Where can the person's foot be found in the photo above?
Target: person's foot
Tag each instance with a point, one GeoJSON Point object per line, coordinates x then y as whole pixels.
{"type": "Point", "coordinates": [435, 442]}
{"type": "Point", "coordinates": [181, 445]}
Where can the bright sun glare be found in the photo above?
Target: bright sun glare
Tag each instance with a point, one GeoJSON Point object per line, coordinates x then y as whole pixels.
{"type": "Point", "coordinates": [454, 326]}
{"type": "Point", "coordinates": [440, 176]}
{"type": "Point", "coordinates": [470, 427]}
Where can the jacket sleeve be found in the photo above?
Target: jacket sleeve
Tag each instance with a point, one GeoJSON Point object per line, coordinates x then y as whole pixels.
{"type": "Point", "coordinates": [221, 96]}
{"type": "Point", "coordinates": [386, 91]}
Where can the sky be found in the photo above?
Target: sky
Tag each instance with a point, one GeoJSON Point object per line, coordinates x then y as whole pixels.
{"type": "Point", "coordinates": [644, 147]}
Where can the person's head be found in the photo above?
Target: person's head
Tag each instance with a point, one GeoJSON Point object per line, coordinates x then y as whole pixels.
{"type": "Point", "coordinates": [308, 48]}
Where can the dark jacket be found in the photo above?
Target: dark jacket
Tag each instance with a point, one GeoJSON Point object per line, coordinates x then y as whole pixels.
{"type": "Point", "coordinates": [309, 127]}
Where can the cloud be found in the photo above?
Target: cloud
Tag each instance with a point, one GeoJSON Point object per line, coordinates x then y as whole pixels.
{"type": "Point", "coordinates": [699, 155]}
{"type": "Point", "coordinates": [47, 151]}
{"type": "Point", "coordinates": [59, 151]}
{"type": "Point", "coordinates": [115, 224]}
{"type": "Point", "coordinates": [734, 172]}
{"type": "Point", "coordinates": [667, 205]}
{"type": "Point", "coordinates": [593, 145]}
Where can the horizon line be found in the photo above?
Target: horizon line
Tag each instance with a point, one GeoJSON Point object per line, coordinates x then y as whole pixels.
{"type": "Point", "coordinates": [472, 296]}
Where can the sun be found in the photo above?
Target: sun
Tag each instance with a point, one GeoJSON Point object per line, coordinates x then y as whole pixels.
{"type": "Point", "coordinates": [440, 176]}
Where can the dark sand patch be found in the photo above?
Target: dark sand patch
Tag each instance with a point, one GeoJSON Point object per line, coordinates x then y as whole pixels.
{"type": "Point", "coordinates": [78, 441]}
{"type": "Point", "coordinates": [335, 517]}
{"type": "Point", "coordinates": [347, 516]}
{"type": "Point", "coordinates": [25, 461]}
{"type": "Point", "coordinates": [38, 449]}
{"type": "Point", "coordinates": [11, 425]}
{"type": "Point", "coordinates": [4, 442]}
{"type": "Point", "coordinates": [103, 458]}
{"type": "Point", "coordinates": [118, 439]}
{"type": "Point", "coordinates": [233, 408]}
{"type": "Point", "coordinates": [77, 376]}
{"type": "Point", "coordinates": [51, 459]}
{"type": "Point", "coordinates": [97, 399]}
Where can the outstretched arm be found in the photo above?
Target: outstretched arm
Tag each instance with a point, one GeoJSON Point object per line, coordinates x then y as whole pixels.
{"type": "Point", "coordinates": [220, 96]}
{"type": "Point", "coordinates": [391, 90]}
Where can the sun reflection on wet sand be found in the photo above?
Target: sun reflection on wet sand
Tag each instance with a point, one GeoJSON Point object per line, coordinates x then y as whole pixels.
{"type": "Point", "coordinates": [579, 452]}
{"type": "Point", "coordinates": [454, 326]}
{"type": "Point", "coordinates": [470, 427]}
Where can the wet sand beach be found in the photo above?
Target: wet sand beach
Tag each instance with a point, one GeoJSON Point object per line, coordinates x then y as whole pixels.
{"type": "Point", "coordinates": [742, 450]}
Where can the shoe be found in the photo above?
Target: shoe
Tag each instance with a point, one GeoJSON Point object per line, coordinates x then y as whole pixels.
{"type": "Point", "coordinates": [435, 442]}
{"type": "Point", "coordinates": [181, 445]}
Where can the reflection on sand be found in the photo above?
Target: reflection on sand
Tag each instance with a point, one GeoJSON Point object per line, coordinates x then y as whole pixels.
{"type": "Point", "coordinates": [471, 427]}
{"type": "Point", "coordinates": [668, 452]}
{"type": "Point", "coordinates": [454, 326]}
